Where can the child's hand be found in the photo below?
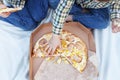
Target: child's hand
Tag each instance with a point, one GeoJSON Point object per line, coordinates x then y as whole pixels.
{"type": "Point", "coordinates": [53, 44]}
{"type": "Point", "coordinates": [4, 14]}
{"type": "Point", "coordinates": [116, 25]}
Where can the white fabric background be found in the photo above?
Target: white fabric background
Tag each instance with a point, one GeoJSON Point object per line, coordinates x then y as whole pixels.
{"type": "Point", "coordinates": [14, 44]}
{"type": "Point", "coordinates": [14, 47]}
{"type": "Point", "coordinates": [108, 52]}
{"type": "Point", "coordinates": [14, 51]}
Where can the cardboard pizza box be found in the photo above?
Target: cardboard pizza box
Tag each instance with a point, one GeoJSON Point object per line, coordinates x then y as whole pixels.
{"type": "Point", "coordinates": [73, 27]}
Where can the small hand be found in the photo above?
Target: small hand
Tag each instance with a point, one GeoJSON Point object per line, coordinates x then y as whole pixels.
{"type": "Point", "coordinates": [4, 14]}
{"type": "Point", "coordinates": [53, 44]}
{"type": "Point", "coordinates": [116, 25]}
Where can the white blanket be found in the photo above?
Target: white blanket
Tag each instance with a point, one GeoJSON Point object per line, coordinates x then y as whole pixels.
{"type": "Point", "coordinates": [14, 51]}
{"type": "Point", "coordinates": [108, 52]}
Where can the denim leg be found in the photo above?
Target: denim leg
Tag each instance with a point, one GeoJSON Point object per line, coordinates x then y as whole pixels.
{"type": "Point", "coordinates": [53, 3]}
{"type": "Point", "coordinates": [38, 9]}
{"type": "Point", "coordinates": [95, 19]}
{"type": "Point", "coordinates": [30, 16]}
{"type": "Point", "coordinates": [74, 10]}
{"type": "Point", "coordinates": [21, 19]}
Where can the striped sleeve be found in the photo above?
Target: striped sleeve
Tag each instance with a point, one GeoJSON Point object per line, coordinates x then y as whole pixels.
{"type": "Point", "coordinates": [115, 10]}
{"type": "Point", "coordinates": [115, 6]}
{"type": "Point", "coordinates": [94, 4]}
{"type": "Point", "coordinates": [16, 3]}
{"type": "Point", "coordinates": [60, 14]}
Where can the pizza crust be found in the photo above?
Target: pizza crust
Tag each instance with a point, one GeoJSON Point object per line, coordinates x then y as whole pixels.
{"type": "Point", "coordinates": [10, 10]}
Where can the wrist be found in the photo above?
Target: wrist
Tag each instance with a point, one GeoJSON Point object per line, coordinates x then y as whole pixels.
{"type": "Point", "coordinates": [116, 19]}
{"type": "Point", "coordinates": [56, 31]}
{"type": "Point", "coordinates": [55, 35]}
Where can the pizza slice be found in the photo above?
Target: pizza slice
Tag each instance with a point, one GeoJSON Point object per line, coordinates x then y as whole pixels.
{"type": "Point", "coordinates": [9, 10]}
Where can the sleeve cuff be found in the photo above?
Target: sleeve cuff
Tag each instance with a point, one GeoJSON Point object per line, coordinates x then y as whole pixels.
{"type": "Point", "coordinates": [115, 16]}
{"type": "Point", "coordinates": [57, 30]}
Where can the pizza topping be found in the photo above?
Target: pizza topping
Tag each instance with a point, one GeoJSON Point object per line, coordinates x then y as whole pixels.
{"type": "Point", "coordinates": [79, 45]}
{"type": "Point", "coordinates": [10, 9]}
{"type": "Point", "coordinates": [70, 38]}
{"type": "Point", "coordinates": [42, 42]}
{"type": "Point", "coordinates": [70, 46]}
{"type": "Point", "coordinates": [76, 58]}
{"type": "Point", "coordinates": [73, 50]}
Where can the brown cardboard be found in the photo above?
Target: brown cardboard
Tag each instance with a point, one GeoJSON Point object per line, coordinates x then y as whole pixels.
{"type": "Point", "coordinates": [73, 27]}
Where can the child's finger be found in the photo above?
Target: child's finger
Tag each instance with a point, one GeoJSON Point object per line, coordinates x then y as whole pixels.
{"type": "Point", "coordinates": [119, 29]}
{"type": "Point", "coordinates": [46, 48]}
{"type": "Point", "coordinates": [49, 50]}
{"type": "Point", "coordinates": [4, 15]}
{"type": "Point", "coordinates": [115, 30]}
{"type": "Point", "coordinates": [52, 52]}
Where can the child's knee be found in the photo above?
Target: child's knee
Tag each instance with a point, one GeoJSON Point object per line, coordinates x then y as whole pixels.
{"type": "Point", "coordinates": [103, 24]}
{"type": "Point", "coordinates": [98, 24]}
{"type": "Point", "coordinates": [106, 24]}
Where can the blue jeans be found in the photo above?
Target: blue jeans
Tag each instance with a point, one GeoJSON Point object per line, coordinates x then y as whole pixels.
{"type": "Point", "coordinates": [30, 16]}
{"type": "Point", "coordinates": [95, 18]}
